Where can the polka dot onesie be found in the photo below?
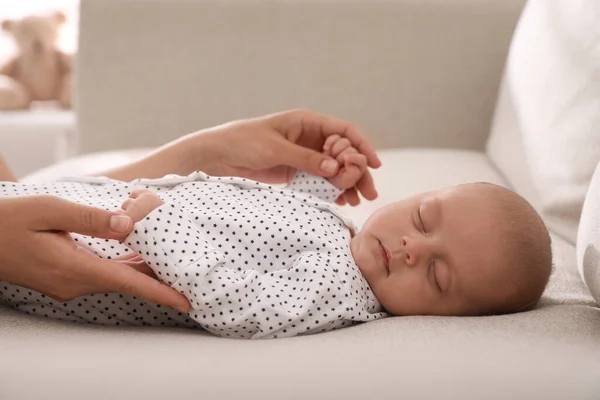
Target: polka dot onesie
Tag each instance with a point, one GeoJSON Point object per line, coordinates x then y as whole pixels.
{"type": "Point", "coordinates": [255, 261]}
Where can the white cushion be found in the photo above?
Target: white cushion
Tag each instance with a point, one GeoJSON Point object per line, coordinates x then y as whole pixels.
{"type": "Point", "coordinates": [588, 239]}
{"type": "Point", "coordinates": [548, 106]}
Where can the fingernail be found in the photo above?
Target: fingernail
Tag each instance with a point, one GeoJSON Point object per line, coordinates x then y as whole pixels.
{"type": "Point", "coordinates": [181, 309]}
{"type": "Point", "coordinates": [119, 223]}
{"type": "Point", "coordinates": [329, 165]}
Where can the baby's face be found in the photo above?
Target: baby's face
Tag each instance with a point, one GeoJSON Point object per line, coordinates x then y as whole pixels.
{"type": "Point", "coordinates": [436, 253]}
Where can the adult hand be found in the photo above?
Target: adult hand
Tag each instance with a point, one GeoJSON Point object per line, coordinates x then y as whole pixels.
{"type": "Point", "coordinates": [38, 253]}
{"type": "Point", "coordinates": [269, 149]}
{"type": "Point", "coordinates": [272, 148]}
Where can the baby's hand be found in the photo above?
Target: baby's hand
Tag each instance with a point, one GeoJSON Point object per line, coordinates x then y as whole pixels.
{"type": "Point", "coordinates": [352, 164]}
{"type": "Point", "coordinates": [140, 203]}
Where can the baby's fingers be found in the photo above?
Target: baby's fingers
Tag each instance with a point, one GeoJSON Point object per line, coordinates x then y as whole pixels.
{"type": "Point", "coordinates": [138, 192]}
{"type": "Point", "coordinates": [329, 142]}
{"type": "Point", "coordinates": [126, 204]}
{"type": "Point", "coordinates": [347, 177]}
{"type": "Point", "coordinates": [340, 146]}
{"type": "Point", "coordinates": [342, 154]}
{"type": "Point", "coordinates": [356, 159]}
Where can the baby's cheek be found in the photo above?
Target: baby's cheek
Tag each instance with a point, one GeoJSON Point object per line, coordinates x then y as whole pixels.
{"type": "Point", "coordinates": [405, 294]}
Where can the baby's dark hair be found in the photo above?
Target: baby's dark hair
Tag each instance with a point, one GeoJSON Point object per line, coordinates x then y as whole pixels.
{"type": "Point", "coordinates": [528, 249]}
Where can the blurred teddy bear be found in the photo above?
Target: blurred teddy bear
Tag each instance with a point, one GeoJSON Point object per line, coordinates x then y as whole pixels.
{"type": "Point", "coordinates": [40, 71]}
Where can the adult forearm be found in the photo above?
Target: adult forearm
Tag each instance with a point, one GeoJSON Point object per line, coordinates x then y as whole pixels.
{"type": "Point", "coordinates": [181, 157]}
{"type": "Point", "coordinates": [5, 173]}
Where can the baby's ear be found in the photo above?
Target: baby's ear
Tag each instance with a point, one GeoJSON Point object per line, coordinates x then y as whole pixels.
{"type": "Point", "coordinates": [7, 25]}
{"type": "Point", "coordinates": [59, 17]}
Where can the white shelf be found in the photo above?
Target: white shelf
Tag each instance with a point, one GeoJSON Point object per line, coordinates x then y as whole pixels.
{"type": "Point", "coordinates": [30, 140]}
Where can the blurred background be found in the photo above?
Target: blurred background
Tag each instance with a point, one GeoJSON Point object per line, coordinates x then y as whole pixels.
{"type": "Point", "coordinates": [42, 129]}
{"type": "Point", "coordinates": [16, 9]}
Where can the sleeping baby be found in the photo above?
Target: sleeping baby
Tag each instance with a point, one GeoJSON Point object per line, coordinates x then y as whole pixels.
{"type": "Point", "coordinates": [260, 261]}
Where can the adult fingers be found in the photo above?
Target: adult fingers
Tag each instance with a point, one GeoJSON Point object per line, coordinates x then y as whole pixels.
{"type": "Point", "coordinates": [135, 283]}
{"type": "Point", "coordinates": [305, 159]}
{"type": "Point", "coordinates": [130, 256]}
{"type": "Point", "coordinates": [112, 276]}
{"type": "Point", "coordinates": [366, 186]}
{"type": "Point", "coordinates": [328, 125]}
{"type": "Point", "coordinates": [53, 213]}
{"type": "Point", "coordinates": [140, 266]}
{"type": "Point", "coordinates": [351, 197]}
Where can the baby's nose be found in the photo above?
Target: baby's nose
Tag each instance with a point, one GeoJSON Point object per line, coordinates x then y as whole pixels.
{"type": "Point", "coordinates": [411, 250]}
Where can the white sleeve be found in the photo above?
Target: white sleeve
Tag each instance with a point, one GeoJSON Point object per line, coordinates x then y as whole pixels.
{"type": "Point", "coordinates": [315, 185]}
{"type": "Point", "coordinates": [231, 302]}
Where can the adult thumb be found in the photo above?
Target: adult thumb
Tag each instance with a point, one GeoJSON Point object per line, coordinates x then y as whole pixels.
{"type": "Point", "coordinates": [53, 213]}
{"type": "Point", "coordinates": [307, 160]}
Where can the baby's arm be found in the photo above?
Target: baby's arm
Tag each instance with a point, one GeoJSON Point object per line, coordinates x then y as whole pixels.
{"type": "Point", "coordinates": [228, 300]}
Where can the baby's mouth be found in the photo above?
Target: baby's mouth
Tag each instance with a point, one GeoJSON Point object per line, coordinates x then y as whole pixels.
{"type": "Point", "coordinates": [384, 256]}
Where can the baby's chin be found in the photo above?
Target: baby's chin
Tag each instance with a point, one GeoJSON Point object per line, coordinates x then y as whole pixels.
{"type": "Point", "coordinates": [369, 267]}
{"type": "Point", "coordinates": [362, 253]}
{"type": "Point", "coordinates": [356, 249]}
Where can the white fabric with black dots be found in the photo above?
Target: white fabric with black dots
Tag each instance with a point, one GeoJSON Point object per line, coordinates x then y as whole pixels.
{"type": "Point", "coordinates": [255, 260]}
